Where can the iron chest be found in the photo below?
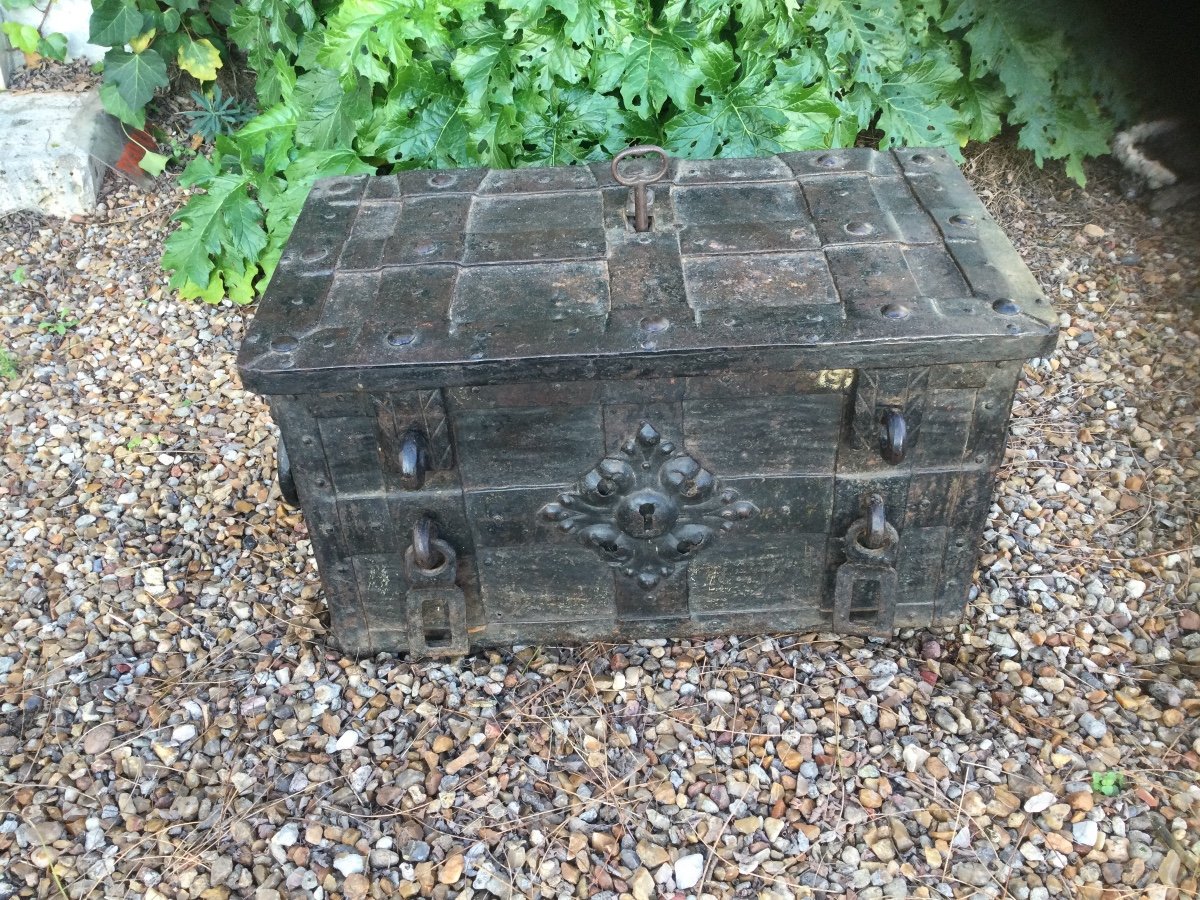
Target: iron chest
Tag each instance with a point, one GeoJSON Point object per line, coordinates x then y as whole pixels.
{"type": "Point", "coordinates": [543, 406]}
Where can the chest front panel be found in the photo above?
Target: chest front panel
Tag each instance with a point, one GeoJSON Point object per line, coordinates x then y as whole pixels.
{"type": "Point", "coordinates": [604, 509]}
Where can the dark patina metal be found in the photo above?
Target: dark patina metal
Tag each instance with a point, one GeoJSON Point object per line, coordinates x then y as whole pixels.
{"type": "Point", "coordinates": [611, 401]}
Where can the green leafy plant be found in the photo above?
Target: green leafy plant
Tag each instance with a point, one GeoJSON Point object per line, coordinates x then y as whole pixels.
{"type": "Point", "coordinates": [185, 33]}
{"type": "Point", "coordinates": [1108, 783]}
{"type": "Point", "coordinates": [8, 365]}
{"type": "Point", "coordinates": [216, 114]}
{"type": "Point", "coordinates": [18, 275]}
{"type": "Point", "coordinates": [151, 440]}
{"type": "Point", "coordinates": [385, 85]}
{"type": "Point", "coordinates": [60, 324]}
{"type": "Point", "coordinates": [30, 41]}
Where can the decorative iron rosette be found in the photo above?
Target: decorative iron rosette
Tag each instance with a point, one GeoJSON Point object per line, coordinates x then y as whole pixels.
{"type": "Point", "coordinates": [648, 508]}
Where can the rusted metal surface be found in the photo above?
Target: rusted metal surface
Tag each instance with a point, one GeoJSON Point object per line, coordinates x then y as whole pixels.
{"type": "Point", "coordinates": [526, 406]}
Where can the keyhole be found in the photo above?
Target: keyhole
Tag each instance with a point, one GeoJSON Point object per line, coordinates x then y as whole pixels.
{"type": "Point", "coordinates": [647, 511]}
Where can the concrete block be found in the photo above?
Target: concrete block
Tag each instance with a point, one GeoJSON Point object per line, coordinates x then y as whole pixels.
{"type": "Point", "coordinates": [45, 163]}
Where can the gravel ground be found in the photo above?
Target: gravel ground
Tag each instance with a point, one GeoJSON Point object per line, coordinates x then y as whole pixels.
{"type": "Point", "coordinates": [171, 725]}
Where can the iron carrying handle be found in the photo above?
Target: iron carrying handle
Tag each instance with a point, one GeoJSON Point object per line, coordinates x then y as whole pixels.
{"type": "Point", "coordinates": [641, 211]}
{"type": "Point", "coordinates": [426, 553]}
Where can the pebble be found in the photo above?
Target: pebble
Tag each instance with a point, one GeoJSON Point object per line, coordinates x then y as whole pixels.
{"type": "Point", "coordinates": [1039, 802]}
{"type": "Point", "coordinates": [1086, 833]}
{"type": "Point", "coordinates": [451, 870]}
{"type": "Point", "coordinates": [349, 863]}
{"type": "Point", "coordinates": [1094, 726]}
{"type": "Point", "coordinates": [642, 885]}
{"type": "Point", "coordinates": [688, 870]}
{"type": "Point", "coordinates": [97, 739]}
{"type": "Point", "coordinates": [915, 757]}
{"type": "Point", "coordinates": [415, 851]}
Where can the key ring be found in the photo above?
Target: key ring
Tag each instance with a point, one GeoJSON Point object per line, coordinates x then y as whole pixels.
{"type": "Point", "coordinates": [641, 213]}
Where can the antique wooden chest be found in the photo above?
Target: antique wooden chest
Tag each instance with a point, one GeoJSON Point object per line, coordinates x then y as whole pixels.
{"type": "Point", "coordinates": [545, 406]}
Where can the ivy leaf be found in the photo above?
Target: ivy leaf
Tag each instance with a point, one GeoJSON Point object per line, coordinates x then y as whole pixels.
{"type": "Point", "coordinates": [23, 37]}
{"type": "Point", "coordinates": [861, 39]}
{"type": "Point", "coordinates": [142, 41]}
{"type": "Point", "coordinates": [200, 59]}
{"type": "Point", "coordinates": [114, 22]}
{"type": "Point", "coordinates": [130, 80]}
{"type": "Point", "coordinates": [648, 68]}
{"type": "Point", "coordinates": [153, 163]}
{"type": "Point", "coordinates": [54, 46]}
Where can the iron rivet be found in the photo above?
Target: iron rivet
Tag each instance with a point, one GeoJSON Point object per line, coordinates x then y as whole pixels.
{"type": "Point", "coordinates": [400, 337]}
{"type": "Point", "coordinates": [960, 219]}
{"type": "Point", "coordinates": [655, 324]}
{"type": "Point", "coordinates": [338, 187]}
{"type": "Point", "coordinates": [317, 253]}
{"type": "Point", "coordinates": [829, 160]}
{"type": "Point", "coordinates": [1013, 329]}
{"type": "Point", "coordinates": [920, 159]}
{"type": "Point", "coordinates": [442, 179]}
{"type": "Point", "coordinates": [1006, 307]}
{"type": "Point", "coordinates": [297, 301]}
{"type": "Point", "coordinates": [649, 345]}
{"type": "Point", "coordinates": [285, 343]}
{"type": "Point", "coordinates": [859, 228]}
{"type": "Point", "coordinates": [895, 311]}
{"type": "Point", "coordinates": [425, 248]}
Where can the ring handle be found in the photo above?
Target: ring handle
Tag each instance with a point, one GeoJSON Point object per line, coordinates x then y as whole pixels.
{"type": "Point", "coordinates": [640, 150]}
{"type": "Point", "coordinates": [876, 523]}
{"type": "Point", "coordinates": [424, 540]}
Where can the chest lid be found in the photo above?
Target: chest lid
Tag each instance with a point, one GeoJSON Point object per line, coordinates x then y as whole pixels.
{"type": "Point", "coordinates": [831, 259]}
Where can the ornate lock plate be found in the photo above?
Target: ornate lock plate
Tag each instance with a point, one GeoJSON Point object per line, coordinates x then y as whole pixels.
{"type": "Point", "coordinates": [648, 509]}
